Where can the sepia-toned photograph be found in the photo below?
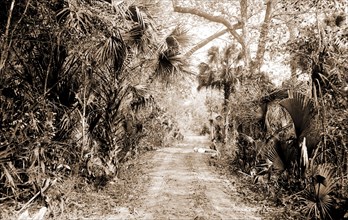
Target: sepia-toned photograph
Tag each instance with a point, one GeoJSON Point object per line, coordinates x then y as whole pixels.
{"type": "Point", "coordinates": [173, 109]}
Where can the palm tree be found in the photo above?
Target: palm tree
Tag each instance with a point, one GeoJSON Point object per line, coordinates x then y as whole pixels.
{"type": "Point", "coordinates": [222, 73]}
{"type": "Point", "coordinates": [70, 88]}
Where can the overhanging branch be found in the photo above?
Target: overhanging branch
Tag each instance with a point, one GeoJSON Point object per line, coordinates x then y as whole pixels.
{"type": "Point", "coordinates": [218, 19]}
{"type": "Point", "coordinates": [204, 42]}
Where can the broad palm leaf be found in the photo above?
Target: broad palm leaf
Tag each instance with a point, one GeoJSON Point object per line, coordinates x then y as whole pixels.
{"type": "Point", "coordinates": [317, 199]}
{"type": "Point", "coordinates": [303, 113]}
{"type": "Point", "coordinates": [281, 154]}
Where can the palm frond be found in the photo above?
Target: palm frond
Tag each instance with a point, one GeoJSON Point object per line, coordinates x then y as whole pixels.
{"type": "Point", "coordinates": [113, 49]}
{"type": "Point", "coordinates": [135, 15]}
{"type": "Point", "coordinates": [206, 76]}
{"type": "Point", "coordinates": [171, 67]}
{"type": "Point", "coordinates": [230, 75]}
{"type": "Point", "coordinates": [141, 97]}
{"type": "Point", "coordinates": [135, 34]}
{"type": "Point", "coordinates": [180, 34]}
{"type": "Point", "coordinates": [213, 54]}
{"type": "Point", "coordinates": [142, 39]}
{"type": "Point", "coordinates": [301, 109]}
{"type": "Point", "coordinates": [120, 8]}
{"type": "Point", "coordinates": [317, 199]}
{"type": "Point", "coordinates": [281, 154]}
{"type": "Point", "coordinates": [229, 51]}
{"type": "Point", "coordinates": [327, 173]}
{"type": "Point", "coordinates": [273, 155]}
{"type": "Point", "coordinates": [203, 68]}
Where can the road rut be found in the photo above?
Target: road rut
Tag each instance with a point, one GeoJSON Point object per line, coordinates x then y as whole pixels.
{"type": "Point", "coordinates": [180, 184]}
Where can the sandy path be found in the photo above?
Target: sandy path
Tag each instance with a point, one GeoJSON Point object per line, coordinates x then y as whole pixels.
{"type": "Point", "coordinates": [179, 184]}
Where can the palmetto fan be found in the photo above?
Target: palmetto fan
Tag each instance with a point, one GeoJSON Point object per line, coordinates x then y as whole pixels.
{"type": "Point", "coordinates": [281, 154]}
{"type": "Point", "coordinates": [114, 51]}
{"type": "Point", "coordinates": [205, 77]}
{"type": "Point", "coordinates": [303, 113]}
{"type": "Point", "coordinates": [171, 63]}
{"type": "Point", "coordinates": [317, 199]}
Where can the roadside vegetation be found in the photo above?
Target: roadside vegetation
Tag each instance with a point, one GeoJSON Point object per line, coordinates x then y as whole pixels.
{"type": "Point", "coordinates": [87, 85]}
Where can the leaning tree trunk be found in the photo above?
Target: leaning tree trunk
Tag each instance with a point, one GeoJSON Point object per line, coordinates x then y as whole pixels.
{"type": "Point", "coordinates": [205, 42]}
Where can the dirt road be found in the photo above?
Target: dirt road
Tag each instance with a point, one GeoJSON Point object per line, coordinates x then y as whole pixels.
{"type": "Point", "coordinates": [178, 183]}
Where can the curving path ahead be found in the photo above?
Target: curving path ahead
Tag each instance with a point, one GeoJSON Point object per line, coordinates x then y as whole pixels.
{"type": "Point", "coordinates": [178, 183]}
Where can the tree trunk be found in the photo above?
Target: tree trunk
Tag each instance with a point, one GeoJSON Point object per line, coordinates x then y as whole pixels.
{"type": "Point", "coordinates": [205, 42]}
{"type": "Point", "coordinates": [291, 29]}
{"type": "Point", "coordinates": [244, 19]}
{"type": "Point", "coordinates": [7, 43]}
{"type": "Point", "coordinates": [263, 37]}
{"type": "Point", "coordinates": [227, 93]}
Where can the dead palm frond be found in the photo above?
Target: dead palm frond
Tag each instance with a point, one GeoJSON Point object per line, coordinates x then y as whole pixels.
{"type": "Point", "coordinates": [6, 154]}
{"type": "Point", "coordinates": [11, 177]}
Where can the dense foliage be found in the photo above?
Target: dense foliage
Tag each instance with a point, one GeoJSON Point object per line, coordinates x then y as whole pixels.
{"type": "Point", "coordinates": [74, 92]}
{"type": "Point", "coordinates": [292, 137]}
{"type": "Point", "coordinates": [85, 85]}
